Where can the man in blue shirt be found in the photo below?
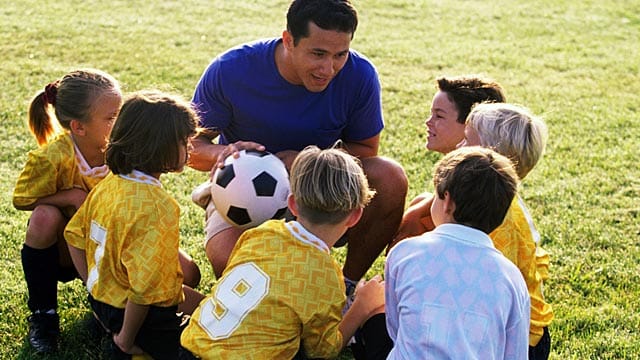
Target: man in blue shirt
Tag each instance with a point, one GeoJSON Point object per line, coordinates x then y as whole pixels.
{"type": "Point", "coordinates": [306, 88]}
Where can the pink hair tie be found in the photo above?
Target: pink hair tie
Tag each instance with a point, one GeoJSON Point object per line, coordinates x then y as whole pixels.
{"type": "Point", "coordinates": [51, 92]}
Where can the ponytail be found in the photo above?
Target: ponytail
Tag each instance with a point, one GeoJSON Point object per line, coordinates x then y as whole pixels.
{"type": "Point", "coordinates": [41, 123]}
{"type": "Point", "coordinates": [70, 98]}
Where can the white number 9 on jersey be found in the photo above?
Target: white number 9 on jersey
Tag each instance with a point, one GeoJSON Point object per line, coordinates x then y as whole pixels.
{"type": "Point", "coordinates": [239, 292]}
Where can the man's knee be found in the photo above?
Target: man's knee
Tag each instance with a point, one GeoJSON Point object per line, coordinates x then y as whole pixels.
{"type": "Point", "coordinates": [387, 177]}
{"type": "Point", "coordinates": [219, 247]}
{"type": "Point", "coordinates": [190, 270]}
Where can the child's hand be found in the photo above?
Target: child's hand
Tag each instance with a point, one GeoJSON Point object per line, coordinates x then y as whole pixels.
{"type": "Point", "coordinates": [127, 345]}
{"type": "Point", "coordinates": [75, 197]}
{"type": "Point", "coordinates": [370, 295]}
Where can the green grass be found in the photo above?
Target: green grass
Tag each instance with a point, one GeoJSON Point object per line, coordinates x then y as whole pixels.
{"type": "Point", "coordinates": [573, 62]}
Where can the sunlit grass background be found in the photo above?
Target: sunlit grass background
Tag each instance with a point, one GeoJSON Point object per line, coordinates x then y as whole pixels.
{"type": "Point", "coordinates": [575, 63]}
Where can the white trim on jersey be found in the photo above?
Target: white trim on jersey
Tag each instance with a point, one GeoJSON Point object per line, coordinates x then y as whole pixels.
{"type": "Point", "coordinates": [299, 232]}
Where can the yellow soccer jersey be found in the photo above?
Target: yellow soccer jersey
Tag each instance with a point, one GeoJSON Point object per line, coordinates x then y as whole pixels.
{"type": "Point", "coordinates": [128, 227]}
{"type": "Point", "coordinates": [281, 287]}
{"type": "Point", "coordinates": [515, 239]}
{"type": "Point", "coordinates": [56, 166]}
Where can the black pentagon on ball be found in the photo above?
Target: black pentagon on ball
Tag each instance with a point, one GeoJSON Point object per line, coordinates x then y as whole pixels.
{"type": "Point", "coordinates": [280, 213]}
{"type": "Point", "coordinates": [238, 215]}
{"type": "Point", "coordinates": [257, 153]}
{"type": "Point", "coordinates": [225, 175]}
{"type": "Point", "coordinates": [264, 184]}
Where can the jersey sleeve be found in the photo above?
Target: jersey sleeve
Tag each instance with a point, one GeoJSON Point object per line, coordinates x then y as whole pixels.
{"type": "Point", "coordinates": [74, 232]}
{"type": "Point", "coordinates": [37, 180]}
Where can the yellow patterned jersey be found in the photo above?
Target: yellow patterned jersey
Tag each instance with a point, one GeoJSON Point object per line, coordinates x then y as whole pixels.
{"type": "Point", "coordinates": [517, 239]}
{"type": "Point", "coordinates": [281, 288]}
{"type": "Point", "coordinates": [128, 228]}
{"type": "Point", "coordinates": [58, 165]}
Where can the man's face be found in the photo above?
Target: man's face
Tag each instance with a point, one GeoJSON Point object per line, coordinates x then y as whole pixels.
{"type": "Point", "coordinates": [318, 58]}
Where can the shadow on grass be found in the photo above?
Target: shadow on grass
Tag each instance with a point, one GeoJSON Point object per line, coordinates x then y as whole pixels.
{"type": "Point", "coordinates": [80, 340]}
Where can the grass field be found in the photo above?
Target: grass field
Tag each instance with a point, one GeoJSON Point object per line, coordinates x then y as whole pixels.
{"type": "Point", "coordinates": [573, 62]}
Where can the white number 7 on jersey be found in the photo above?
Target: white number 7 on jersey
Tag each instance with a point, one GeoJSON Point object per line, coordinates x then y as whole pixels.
{"type": "Point", "coordinates": [239, 292]}
{"type": "Point", "coordinates": [99, 235]}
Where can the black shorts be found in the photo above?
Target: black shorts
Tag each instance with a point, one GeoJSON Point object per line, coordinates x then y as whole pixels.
{"type": "Point", "coordinates": [159, 335]}
{"type": "Point", "coordinates": [372, 339]}
{"type": "Point", "coordinates": [541, 351]}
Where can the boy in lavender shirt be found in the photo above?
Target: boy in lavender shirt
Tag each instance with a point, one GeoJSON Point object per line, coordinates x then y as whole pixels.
{"type": "Point", "coordinates": [449, 293]}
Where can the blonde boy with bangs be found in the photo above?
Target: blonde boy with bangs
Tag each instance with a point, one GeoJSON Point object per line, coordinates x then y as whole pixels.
{"type": "Point", "coordinates": [516, 133]}
{"type": "Point", "coordinates": [281, 295]}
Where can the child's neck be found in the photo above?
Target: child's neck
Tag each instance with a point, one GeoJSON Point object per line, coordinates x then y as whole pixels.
{"type": "Point", "coordinates": [93, 156]}
{"type": "Point", "coordinates": [329, 233]}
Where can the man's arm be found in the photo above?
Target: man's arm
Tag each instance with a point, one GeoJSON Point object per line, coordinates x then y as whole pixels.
{"type": "Point", "coordinates": [364, 148]}
{"type": "Point", "coordinates": [204, 153]}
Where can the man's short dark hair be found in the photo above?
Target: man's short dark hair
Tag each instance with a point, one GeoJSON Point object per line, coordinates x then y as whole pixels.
{"type": "Point", "coordinates": [338, 15]}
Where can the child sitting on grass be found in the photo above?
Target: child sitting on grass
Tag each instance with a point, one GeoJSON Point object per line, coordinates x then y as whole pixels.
{"type": "Point", "coordinates": [124, 238]}
{"type": "Point", "coordinates": [450, 294]}
{"type": "Point", "coordinates": [71, 119]}
{"type": "Point", "coordinates": [516, 133]}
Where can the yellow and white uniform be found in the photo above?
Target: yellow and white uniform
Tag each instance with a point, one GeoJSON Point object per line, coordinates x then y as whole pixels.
{"type": "Point", "coordinates": [517, 239]}
{"type": "Point", "coordinates": [128, 227]}
{"type": "Point", "coordinates": [56, 166]}
{"type": "Point", "coordinates": [280, 288]}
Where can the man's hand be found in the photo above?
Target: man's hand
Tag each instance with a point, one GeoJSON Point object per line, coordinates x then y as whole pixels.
{"type": "Point", "coordinates": [234, 149]}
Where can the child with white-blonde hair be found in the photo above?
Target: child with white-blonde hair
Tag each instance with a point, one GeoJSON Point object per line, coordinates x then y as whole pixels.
{"type": "Point", "coordinates": [518, 134]}
{"type": "Point", "coordinates": [511, 130]}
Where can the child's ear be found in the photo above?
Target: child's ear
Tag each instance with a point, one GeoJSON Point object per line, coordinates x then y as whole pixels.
{"type": "Point", "coordinates": [449, 205]}
{"type": "Point", "coordinates": [354, 217]}
{"type": "Point", "coordinates": [293, 207]}
{"type": "Point", "coordinates": [77, 127]}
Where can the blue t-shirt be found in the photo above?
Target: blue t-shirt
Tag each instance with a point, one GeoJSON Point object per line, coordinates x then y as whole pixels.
{"type": "Point", "coordinates": [243, 96]}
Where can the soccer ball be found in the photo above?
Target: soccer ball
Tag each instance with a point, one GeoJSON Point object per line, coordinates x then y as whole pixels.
{"type": "Point", "coordinates": [250, 189]}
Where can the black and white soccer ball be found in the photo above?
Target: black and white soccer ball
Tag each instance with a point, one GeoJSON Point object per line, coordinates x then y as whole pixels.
{"type": "Point", "coordinates": [250, 189]}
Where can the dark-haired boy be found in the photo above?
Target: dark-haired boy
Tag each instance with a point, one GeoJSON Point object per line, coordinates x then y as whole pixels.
{"type": "Point", "coordinates": [449, 293]}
